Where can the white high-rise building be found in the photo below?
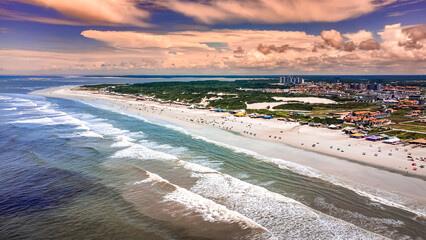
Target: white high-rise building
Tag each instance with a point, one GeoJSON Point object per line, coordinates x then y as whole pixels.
{"type": "Point", "coordinates": [291, 80]}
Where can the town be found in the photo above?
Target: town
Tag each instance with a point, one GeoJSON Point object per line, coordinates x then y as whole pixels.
{"type": "Point", "coordinates": [393, 111]}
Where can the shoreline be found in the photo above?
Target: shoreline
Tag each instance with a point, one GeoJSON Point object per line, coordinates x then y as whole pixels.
{"type": "Point", "coordinates": [383, 172]}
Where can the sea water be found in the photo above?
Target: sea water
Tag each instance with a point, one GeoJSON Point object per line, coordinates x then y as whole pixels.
{"type": "Point", "coordinates": [72, 170]}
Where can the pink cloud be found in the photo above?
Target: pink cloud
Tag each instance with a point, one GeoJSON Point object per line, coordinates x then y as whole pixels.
{"type": "Point", "coordinates": [273, 11]}
{"type": "Point", "coordinates": [247, 51]}
{"type": "Point", "coordinates": [369, 44]}
{"type": "Point", "coordinates": [98, 12]}
{"type": "Point", "coordinates": [359, 36]}
{"type": "Point", "coordinates": [332, 38]}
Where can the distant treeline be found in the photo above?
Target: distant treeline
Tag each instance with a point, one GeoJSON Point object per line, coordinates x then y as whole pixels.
{"type": "Point", "coordinates": [411, 80]}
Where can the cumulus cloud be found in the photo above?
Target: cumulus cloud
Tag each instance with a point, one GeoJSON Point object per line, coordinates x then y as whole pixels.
{"type": "Point", "coordinates": [273, 11]}
{"type": "Point", "coordinates": [403, 42]}
{"type": "Point", "coordinates": [247, 39]}
{"type": "Point", "coordinates": [369, 44]}
{"type": "Point", "coordinates": [239, 52]}
{"type": "Point", "coordinates": [359, 36]}
{"type": "Point", "coordinates": [267, 49]}
{"type": "Point", "coordinates": [189, 52]}
{"type": "Point", "coordinates": [349, 46]}
{"type": "Point", "coordinates": [415, 35]}
{"type": "Point", "coordinates": [362, 40]}
{"type": "Point", "coordinates": [332, 38]}
{"type": "Point", "coordinates": [98, 12]}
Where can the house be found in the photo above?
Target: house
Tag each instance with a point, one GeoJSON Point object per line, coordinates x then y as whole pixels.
{"type": "Point", "coordinates": [421, 141]}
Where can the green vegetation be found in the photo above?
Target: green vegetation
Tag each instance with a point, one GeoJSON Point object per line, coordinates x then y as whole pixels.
{"type": "Point", "coordinates": [194, 92]}
{"type": "Point", "coordinates": [325, 107]}
{"type": "Point", "coordinates": [295, 106]}
{"type": "Point", "coordinates": [405, 135]}
{"type": "Point", "coordinates": [92, 87]}
{"type": "Point", "coordinates": [327, 120]}
{"type": "Point", "coordinates": [398, 116]}
{"type": "Point", "coordinates": [227, 95]}
{"type": "Point", "coordinates": [410, 127]}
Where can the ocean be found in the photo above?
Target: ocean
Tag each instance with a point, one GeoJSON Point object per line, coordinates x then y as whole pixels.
{"type": "Point", "coordinates": [76, 170]}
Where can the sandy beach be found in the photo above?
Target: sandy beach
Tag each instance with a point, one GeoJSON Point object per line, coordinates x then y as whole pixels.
{"type": "Point", "coordinates": [368, 167]}
{"type": "Point", "coordinates": [284, 100]}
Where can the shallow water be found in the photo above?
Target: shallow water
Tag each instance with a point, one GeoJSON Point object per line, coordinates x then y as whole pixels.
{"type": "Point", "coordinates": [72, 170]}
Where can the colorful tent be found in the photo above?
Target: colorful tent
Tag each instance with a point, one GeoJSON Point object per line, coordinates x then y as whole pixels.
{"type": "Point", "coordinates": [392, 140]}
{"type": "Point", "coordinates": [357, 135]}
{"type": "Point", "coordinates": [240, 114]}
{"type": "Point", "coordinates": [373, 138]}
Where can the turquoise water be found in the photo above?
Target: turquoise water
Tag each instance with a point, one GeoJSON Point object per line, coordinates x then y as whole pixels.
{"type": "Point", "coordinates": [76, 171]}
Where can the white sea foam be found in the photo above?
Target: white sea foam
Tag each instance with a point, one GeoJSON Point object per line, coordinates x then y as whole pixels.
{"type": "Point", "coordinates": [8, 109]}
{"type": "Point", "coordinates": [54, 117]}
{"type": "Point", "coordinates": [194, 203]}
{"type": "Point", "coordinates": [176, 151]}
{"type": "Point", "coordinates": [89, 134]}
{"type": "Point", "coordinates": [386, 198]}
{"type": "Point", "coordinates": [141, 152]}
{"type": "Point", "coordinates": [282, 216]}
{"type": "Point", "coordinates": [106, 128]}
{"type": "Point", "coordinates": [5, 98]}
{"type": "Point", "coordinates": [136, 134]}
{"type": "Point", "coordinates": [42, 121]}
{"type": "Point", "coordinates": [43, 106]}
{"type": "Point", "coordinates": [21, 102]}
{"type": "Point", "coordinates": [123, 141]}
{"type": "Point", "coordinates": [357, 216]}
{"type": "Point", "coordinates": [151, 178]}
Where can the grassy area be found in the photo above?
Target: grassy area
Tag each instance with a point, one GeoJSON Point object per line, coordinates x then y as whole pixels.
{"type": "Point", "coordinates": [195, 91]}
{"type": "Point", "coordinates": [328, 107]}
{"type": "Point", "coordinates": [405, 135]}
{"type": "Point", "coordinates": [415, 123]}
{"type": "Point", "coordinates": [398, 116]}
{"type": "Point", "coordinates": [410, 127]}
{"type": "Point", "coordinates": [295, 106]}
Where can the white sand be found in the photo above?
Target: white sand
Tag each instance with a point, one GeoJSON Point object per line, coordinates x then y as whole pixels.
{"type": "Point", "coordinates": [264, 105]}
{"type": "Point", "coordinates": [376, 169]}
{"type": "Point", "coordinates": [305, 99]}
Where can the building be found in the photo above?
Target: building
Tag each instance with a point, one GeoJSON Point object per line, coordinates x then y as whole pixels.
{"type": "Point", "coordinates": [374, 87]}
{"type": "Point", "coordinates": [292, 80]}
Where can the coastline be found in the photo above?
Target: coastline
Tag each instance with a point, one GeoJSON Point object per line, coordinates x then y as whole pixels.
{"type": "Point", "coordinates": [284, 147]}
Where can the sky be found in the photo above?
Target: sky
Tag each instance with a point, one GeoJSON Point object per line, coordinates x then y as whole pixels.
{"type": "Point", "coordinates": [220, 37]}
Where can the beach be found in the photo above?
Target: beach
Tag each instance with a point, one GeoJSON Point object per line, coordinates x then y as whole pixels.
{"type": "Point", "coordinates": [285, 100]}
{"type": "Point", "coordinates": [383, 171]}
